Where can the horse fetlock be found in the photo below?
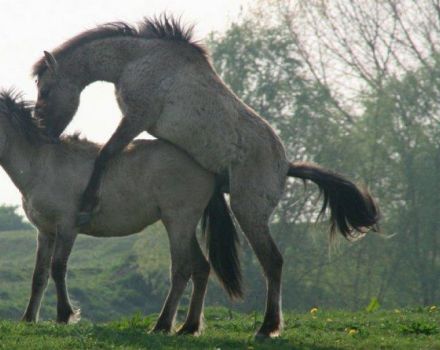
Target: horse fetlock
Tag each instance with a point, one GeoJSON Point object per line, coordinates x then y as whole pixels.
{"type": "Point", "coordinates": [75, 317]}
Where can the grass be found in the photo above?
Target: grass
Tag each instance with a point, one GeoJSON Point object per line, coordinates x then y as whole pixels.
{"type": "Point", "coordinates": [398, 329]}
{"type": "Point", "coordinates": [103, 278]}
{"type": "Point", "coordinates": [107, 284]}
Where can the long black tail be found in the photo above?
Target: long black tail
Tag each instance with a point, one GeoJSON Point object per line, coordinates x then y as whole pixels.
{"type": "Point", "coordinates": [351, 208]}
{"type": "Point", "coordinates": [222, 243]}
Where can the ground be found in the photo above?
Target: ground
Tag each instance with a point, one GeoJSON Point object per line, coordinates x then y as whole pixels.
{"type": "Point", "coordinates": [393, 329]}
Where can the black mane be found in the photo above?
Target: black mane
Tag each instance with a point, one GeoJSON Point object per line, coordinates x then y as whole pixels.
{"type": "Point", "coordinates": [19, 113]}
{"type": "Point", "coordinates": [163, 27]}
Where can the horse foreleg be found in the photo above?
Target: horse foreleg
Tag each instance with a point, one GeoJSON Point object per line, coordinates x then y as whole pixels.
{"type": "Point", "coordinates": [40, 276]}
{"type": "Point", "coordinates": [126, 132]}
{"type": "Point", "coordinates": [64, 241]}
{"type": "Point", "coordinates": [199, 276]}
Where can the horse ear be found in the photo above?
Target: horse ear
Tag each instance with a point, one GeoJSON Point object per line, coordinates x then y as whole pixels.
{"type": "Point", "coordinates": [51, 62]}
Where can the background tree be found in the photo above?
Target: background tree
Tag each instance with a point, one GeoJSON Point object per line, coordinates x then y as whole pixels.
{"type": "Point", "coordinates": [10, 220]}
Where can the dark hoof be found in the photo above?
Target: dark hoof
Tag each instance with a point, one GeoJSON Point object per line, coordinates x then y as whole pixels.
{"type": "Point", "coordinates": [28, 319]}
{"type": "Point", "coordinates": [270, 331]}
{"type": "Point", "coordinates": [70, 317]}
{"type": "Point", "coordinates": [193, 329]}
{"type": "Point", "coordinates": [83, 218]}
{"type": "Point", "coordinates": [261, 336]}
{"type": "Point", "coordinates": [161, 329]}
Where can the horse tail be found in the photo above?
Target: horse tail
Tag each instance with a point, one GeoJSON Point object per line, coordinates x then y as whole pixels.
{"type": "Point", "coordinates": [351, 208]}
{"type": "Point", "coordinates": [222, 244]}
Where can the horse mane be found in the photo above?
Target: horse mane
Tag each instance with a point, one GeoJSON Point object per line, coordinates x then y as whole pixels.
{"type": "Point", "coordinates": [19, 112]}
{"type": "Point", "coordinates": [77, 142]}
{"type": "Point", "coordinates": [163, 27]}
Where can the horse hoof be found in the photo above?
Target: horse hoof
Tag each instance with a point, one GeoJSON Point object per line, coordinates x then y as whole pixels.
{"type": "Point", "coordinates": [28, 319]}
{"type": "Point", "coordinates": [161, 330]}
{"type": "Point", "coordinates": [261, 336]}
{"type": "Point", "coordinates": [83, 218]}
{"type": "Point", "coordinates": [189, 330]}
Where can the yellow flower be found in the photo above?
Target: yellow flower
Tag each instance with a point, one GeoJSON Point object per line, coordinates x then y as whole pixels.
{"type": "Point", "coordinates": [352, 331]}
{"type": "Point", "coordinates": [314, 311]}
{"type": "Point", "coordinates": [432, 308]}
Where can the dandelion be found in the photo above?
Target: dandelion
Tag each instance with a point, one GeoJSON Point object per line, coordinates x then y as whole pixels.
{"type": "Point", "coordinates": [433, 308]}
{"type": "Point", "coordinates": [352, 331]}
{"type": "Point", "coordinates": [314, 311]}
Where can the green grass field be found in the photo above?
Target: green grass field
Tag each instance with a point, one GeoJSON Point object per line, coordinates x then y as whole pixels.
{"type": "Point", "coordinates": [107, 283]}
{"type": "Point", "coordinates": [103, 278]}
{"type": "Point", "coordinates": [398, 329]}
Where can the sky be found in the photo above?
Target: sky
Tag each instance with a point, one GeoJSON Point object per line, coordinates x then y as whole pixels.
{"type": "Point", "coordinates": [28, 27]}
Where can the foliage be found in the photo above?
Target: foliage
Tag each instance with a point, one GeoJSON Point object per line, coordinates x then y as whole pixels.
{"type": "Point", "coordinates": [373, 305]}
{"type": "Point", "coordinates": [10, 220]}
{"type": "Point", "coordinates": [345, 86]}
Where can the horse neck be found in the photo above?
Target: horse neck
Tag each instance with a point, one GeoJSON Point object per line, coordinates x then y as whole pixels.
{"type": "Point", "coordinates": [20, 161]}
{"type": "Point", "coordinates": [102, 60]}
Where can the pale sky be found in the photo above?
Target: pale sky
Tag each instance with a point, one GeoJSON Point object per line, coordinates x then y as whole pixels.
{"type": "Point", "coordinates": [28, 27]}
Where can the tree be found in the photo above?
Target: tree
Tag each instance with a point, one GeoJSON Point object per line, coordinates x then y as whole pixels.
{"type": "Point", "coordinates": [10, 220]}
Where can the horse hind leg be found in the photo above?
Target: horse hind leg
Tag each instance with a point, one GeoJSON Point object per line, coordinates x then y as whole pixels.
{"type": "Point", "coordinates": [253, 199]}
{"type": "Point", "coordinates": [199, 276]}
{"type": "Point", "coordinates": [181, 268]}
{"type": "Point", "coordinates": [258, 234]}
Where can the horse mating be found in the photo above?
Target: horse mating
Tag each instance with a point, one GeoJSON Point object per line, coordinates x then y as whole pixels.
{"type": "Point", "coordinates": [166, 85]}
{"type": "Point", "coordinates": [162, 183]}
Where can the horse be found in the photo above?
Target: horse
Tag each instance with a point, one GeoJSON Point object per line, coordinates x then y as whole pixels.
{"type": "Point", "coordinates": [149, 181]}
{"type": "Point", "coordinates": [166, 85]}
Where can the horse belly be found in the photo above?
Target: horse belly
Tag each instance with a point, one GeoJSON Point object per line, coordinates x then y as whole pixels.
{"type": "Point", "coordinates": [122, 221]}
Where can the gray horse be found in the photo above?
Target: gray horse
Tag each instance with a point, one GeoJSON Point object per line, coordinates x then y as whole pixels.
{"type": "Point", "coordinates": [148, 181]}
{"type": "Point", "coordinates": [166, 85]}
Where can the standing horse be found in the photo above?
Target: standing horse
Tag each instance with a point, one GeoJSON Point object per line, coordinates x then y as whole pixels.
{"type": "Point", "coordinates": [166, 85]}
{"type": "Point", "coordinates": [147, 182]}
